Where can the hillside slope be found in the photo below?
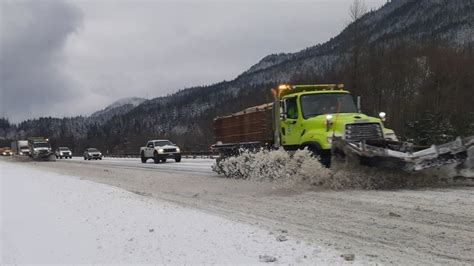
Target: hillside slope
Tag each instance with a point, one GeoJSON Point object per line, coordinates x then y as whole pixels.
{"type": "Point", "coordinates": [118, 107]}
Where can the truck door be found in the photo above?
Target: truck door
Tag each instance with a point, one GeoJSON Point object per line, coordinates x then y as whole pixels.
{"type": "Point", "coordinates": [149, 149]}
{"type": "Point", "coordinates": [291, 126]}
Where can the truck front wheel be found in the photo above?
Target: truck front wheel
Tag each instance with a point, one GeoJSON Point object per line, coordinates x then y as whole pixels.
{"type": "Point", "coordinates": [156, 159]}
{"type": "Point", "coordinates": [143, 158]}
{"type": "Point", "coordinates": [324, 156]}
{"type": "Point", "coordinates": [177, 158]}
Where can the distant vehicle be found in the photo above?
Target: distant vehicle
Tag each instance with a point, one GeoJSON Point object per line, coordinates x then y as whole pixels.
{"type": "Point", "coordinates": [63, 152]}
{"type": "Point", "coordinates": [40, 149]}
{"type": "Point", "coordinates": [159, 151]}
{"type": "Point", "coordinates": [92, 153]}
{"type": "Point", "coordinates": [6, 151]}
{"type": "Point", "coordinates": [20, 147]}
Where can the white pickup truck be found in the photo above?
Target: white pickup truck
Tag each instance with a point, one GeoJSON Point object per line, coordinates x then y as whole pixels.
{"type": "Point", "coordinates": [159, 151]}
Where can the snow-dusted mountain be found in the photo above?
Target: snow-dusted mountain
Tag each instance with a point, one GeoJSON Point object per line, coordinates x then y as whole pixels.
{"type": "Point", "coordinates": [118, 107]}
{"type": "Point", "coordinates": [132, 101]}
{"type": "Point", "coordinates": [399, 20]}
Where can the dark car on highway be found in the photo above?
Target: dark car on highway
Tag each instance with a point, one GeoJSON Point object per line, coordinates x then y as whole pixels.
{"type": "Point", "coordinates": [92, 153]}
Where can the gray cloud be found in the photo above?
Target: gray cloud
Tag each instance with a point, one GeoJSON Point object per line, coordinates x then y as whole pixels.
{"type": "Point", "coordinates": [145, 48]}
{"type": "Point", "coordinates": [33, 35]}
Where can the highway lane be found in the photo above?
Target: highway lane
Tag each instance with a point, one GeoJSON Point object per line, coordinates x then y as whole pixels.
{"type": "Point", "coordinates": [201, 167]}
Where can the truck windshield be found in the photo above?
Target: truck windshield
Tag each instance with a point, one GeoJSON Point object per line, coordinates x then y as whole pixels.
{"type": "Point", "coordinates": [162, 143]}
{"type": "Point", "coordinates": [41, 145]}
{"type": "Point", "coordinates": [63, 148]}
{"type": "Point", "coordinates": [327, 103]}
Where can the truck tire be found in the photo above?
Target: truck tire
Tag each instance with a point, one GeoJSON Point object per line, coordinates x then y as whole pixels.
{"type": "Point", "coordinates": [177, 158]}
{"type": "Point", "coordinates": [85, 158]}
{"type": "Point", "coordinates": [323, 156]}
{"type": "Point", "coordinates": [142, 156]}
{"type": "Point", "coordinates": [156, 159]}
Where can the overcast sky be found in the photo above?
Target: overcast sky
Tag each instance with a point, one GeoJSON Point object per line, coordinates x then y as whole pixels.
{"type": "Point", "coordinates": [66, 58]}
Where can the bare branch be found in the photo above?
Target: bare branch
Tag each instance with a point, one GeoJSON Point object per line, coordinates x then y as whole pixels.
{"type": "Point", "coordinates": [357, 9]}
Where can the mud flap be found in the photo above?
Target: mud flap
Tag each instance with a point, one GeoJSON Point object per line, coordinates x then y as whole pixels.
{"type": "Point", "coordinates": [470, 159]}
{"type": "Point", "coordinates": [51, 157]}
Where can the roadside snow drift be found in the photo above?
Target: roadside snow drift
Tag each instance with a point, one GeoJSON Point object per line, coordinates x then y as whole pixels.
{"type": "Point", "coordinates": [303, 167]}
{"type": "Point", "coordinates": [52, 218]}
{"type": "Point", "coordinates": [273, 165]}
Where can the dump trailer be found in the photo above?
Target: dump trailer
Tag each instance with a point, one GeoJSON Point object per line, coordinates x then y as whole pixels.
{"type": "Point", "coordinates": [250, 128]}
{"type": "Point", "coordinates": [40, 149]}
{"type": "Point", "coordinates": [325, 119]}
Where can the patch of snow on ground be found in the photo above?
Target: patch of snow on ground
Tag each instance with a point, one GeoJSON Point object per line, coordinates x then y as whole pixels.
{"type": "Point", "coordinates": [274, 165]}
{"type": "Point", "coordinates": [53, 218]}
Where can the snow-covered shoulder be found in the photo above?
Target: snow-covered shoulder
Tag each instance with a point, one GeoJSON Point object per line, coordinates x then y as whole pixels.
{"type": "Point", "coordinates": [52, 218]}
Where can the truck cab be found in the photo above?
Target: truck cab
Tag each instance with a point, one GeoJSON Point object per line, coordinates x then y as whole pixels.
{"type": "Point", "coordinates": [310, 116]}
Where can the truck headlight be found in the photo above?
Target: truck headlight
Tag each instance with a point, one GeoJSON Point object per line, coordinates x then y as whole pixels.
{"type": "Point", "coordinates": [20, 153]}
{"type": "Point", "coordinates": [383, 116]}
{"type": "Point", "coordinates": [328, 118]}
{"type": "Point", "coordinates": [160, 150]}
{"type": "Point", "coordinates": [178, 150]}
{"type": "Point", "coordinates": [328, 122]}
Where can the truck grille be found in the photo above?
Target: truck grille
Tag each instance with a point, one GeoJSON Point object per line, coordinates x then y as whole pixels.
{"type": "Point", "coordinates": [66, 154]}
{"type": "Point", "coordinates": [363, 131]}
{"type": "Point", "coordinates": [170, 150]}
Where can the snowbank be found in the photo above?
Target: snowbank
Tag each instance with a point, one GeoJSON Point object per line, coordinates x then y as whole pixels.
{"type": "Point", "coordinates": [53, 218]}
{"type": "Point", "coordinates": [274, 165]}
{"type": "Point", "coordinates": [302, 167]}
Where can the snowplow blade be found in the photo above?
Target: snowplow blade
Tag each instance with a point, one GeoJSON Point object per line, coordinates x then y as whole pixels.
{"type": "Point", "coordinates": [49, 157]}
{"type": "Point", "coordinates": [405, 156]}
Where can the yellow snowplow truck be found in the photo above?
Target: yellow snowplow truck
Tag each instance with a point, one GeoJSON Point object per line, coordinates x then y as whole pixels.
{"type": "Point", "coordinates": [325, 119]}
